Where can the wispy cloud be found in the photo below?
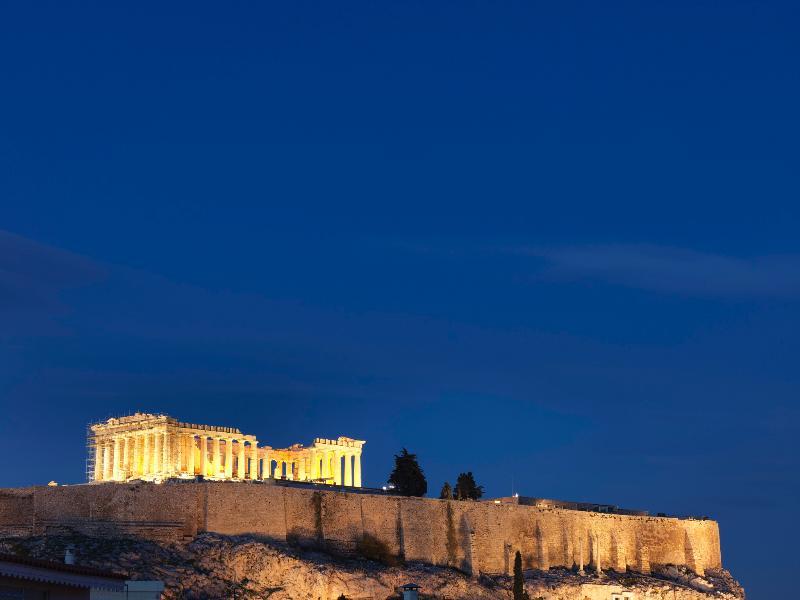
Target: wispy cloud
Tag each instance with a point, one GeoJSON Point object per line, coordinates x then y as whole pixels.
{"type": "Point", "coordinates": [675, 270]}
{"type": "Point", "coordinates": [33, 275]}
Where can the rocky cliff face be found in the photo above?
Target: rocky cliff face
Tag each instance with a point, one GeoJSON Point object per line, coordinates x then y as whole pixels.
{"type": "Point", "coordinates": [214, 567]}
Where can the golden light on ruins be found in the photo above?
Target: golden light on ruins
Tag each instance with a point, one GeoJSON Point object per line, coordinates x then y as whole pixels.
{"type": "Point", "coordinates": [156, 447]}
{"type": "Point", "coordinates": [476, 537]}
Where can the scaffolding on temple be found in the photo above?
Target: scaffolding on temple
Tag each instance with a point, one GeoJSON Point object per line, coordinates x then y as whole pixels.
{"type": "Point", "coordinates": [91, 453]}
{"type": "Point", "coordinates": [91, 445]}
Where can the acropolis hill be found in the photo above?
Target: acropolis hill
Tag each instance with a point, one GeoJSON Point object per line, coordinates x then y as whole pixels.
{"type": "Point", "coordinates": [155, 478]}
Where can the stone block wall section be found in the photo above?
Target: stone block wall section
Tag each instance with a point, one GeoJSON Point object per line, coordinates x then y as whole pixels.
{"type": "Point", "coordinates": [16, 511]}
{"type": "Point", "coordinates": [472, 536]}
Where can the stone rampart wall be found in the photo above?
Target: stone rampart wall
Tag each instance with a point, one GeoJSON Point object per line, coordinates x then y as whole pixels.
{"type": "Point", "coordinates": [472, 536]}
{"type": "Point", "coordinates": [16, 509]}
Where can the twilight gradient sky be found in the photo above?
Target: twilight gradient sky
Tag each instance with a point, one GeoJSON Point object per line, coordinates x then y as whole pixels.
{"type": "Point", "coordinates": [551, 243]}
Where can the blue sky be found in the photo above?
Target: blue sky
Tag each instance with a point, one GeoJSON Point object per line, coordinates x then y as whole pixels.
{"type": "Point", "coordinates": [554, 244]}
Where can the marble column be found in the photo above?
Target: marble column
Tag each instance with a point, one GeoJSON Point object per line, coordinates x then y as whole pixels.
{"type": "Point", "coordinates": [157, 453]}
{"type": "Point", "coordinates": [98, 461]}
{"type": "Point", "coordinates": [126, 456]}
{"type": "Point", "coordinates": [147, 454]}
{"type": "Point", "coordinates": [228, 458]}
{"type": "Point", "coordinates": [326, 466]}
{"type": "Point", "coordinates": [204, 456]}
{"type": "Point", "coordinates": [240, 461]}
{"type": "Point", "coordinates": [301, 469]}
{"type": "Point", "coordinates": [254, 460]}
{"type": "Point", "coordinates": [357, 469]}
{"type": "Point", "coordinates": [137, 456]}
{"type": "Point", "coordinates": [117, 471]}
{"type": "Point", "coordinates": [179, 453]}
{"type": "Point", "coordinates": [266, 465]}
{"type": "Point", "coordinates": [337, 468]}
{"type": "Point", "coordinates": [166, 456]}
{"type": "Point", "coordinates": [312, 462]}
{"type": "Point", "coordinates": [190, 448]}
{"type": "Point", "coordinates": [106, 461]}
{"type": "Point", "coordinates": [348, 469]}
{"type": "Point", "coordinates": [216, 463]}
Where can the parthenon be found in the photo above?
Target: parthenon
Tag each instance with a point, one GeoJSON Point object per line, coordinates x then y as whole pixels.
{"type": "Point", "coordinates": [156, 447]}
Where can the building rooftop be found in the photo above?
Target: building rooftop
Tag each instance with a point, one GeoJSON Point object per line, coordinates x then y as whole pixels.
{"type": "Point", "coordinates": [45, 571]}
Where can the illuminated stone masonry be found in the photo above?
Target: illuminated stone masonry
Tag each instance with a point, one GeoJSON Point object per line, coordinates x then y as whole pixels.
{"type": "Point", "coordinates": [154, 447]}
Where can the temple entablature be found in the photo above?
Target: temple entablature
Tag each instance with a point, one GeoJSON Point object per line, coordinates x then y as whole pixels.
{"type": "Point", "coordinates": [156, 447]}
{"type": "Point", "coordinates": [341, 441]}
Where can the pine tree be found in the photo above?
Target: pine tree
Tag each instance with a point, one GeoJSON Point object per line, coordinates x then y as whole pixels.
{"type": "Point", "coordinates": [407, 477]}
{"type": "Point", "coordinates": [466, 488]}
{"type": "Point", "coordinates": [447, 492]}
{"type": "Point", "coordinates": [519, 580]}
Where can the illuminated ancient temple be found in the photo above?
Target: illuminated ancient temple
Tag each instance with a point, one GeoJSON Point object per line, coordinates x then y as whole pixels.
{"type": "Point", "coordinates": [155, 447]}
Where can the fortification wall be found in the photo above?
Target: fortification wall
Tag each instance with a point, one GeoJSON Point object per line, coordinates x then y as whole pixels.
{"type": "Point", "coordinates": [16, 511]}
{"type": "Point", "coordinates": [472, 536]}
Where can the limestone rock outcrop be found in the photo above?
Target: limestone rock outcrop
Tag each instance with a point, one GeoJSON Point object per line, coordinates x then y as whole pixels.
{"type": "Point", "coordinates": [213, 566]}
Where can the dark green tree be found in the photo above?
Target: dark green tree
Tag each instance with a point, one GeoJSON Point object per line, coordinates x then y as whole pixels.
{"type": "Point", "coordinates": [519, 580]}
{"type": "Point", "coordinates": [407, 477]}
{"type": "Point", "coordinates": [466, 488]}
{"type": "Point", "coordinates": [447, 492]}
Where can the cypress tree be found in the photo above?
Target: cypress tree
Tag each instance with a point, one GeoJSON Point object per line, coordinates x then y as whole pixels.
{"type": "Point", "coordinates": [466, 488]}
{"type": "Point", "coordinates": [447, 492]}
{"type": "Point", "coordinates": [519, 580]}
{"type": "Point", "coordinates": [407, 476]}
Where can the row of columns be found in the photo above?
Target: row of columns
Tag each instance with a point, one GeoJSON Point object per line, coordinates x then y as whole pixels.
{"type": "Point", "coordinates": [247, 458]}
{"type": "Point", "coordinates": [130, 455]}
{"type": "Point", "coordinates": [327, 465]}
{"type": "Point", "coordinates": [167, 453]}
{"type": "Point", "coordinates": [320, 464]}
{"type": "Point", "coordinates": [120, 457]}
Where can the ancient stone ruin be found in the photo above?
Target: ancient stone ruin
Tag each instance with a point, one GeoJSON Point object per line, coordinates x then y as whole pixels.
{"type": "Point", "coordinates": [156, 447]}
{"type": "Point", "coordinates": [160, 481]}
